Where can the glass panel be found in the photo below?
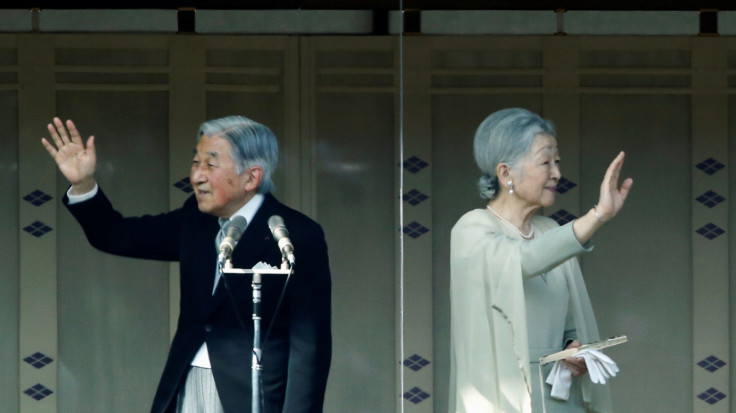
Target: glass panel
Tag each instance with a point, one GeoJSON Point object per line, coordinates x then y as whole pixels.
{"type": "Point", "coordinates": [355, 204]}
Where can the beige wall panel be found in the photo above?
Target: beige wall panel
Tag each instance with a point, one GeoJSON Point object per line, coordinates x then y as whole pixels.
{"type": "Point", "coordinates": [253, 77]}
{"type": "Point", "coordinates": [348, 165]}
{"type": "Point", "coordinates": [9, 231]}
{"type": "Point", "coordinates": [37, 254]}
{"type": "Point", "coordinates": [710, 254]}
{"type": "Point", "coordinates": [186, 112]}
{"type": "Point", "coordinates": [639, 276]}
{"type": "Point", "coordinates": [561, 104]}
{"type": "Point", "coordinates": [656, 44]}
{"type": "Point", "coordinates": [355, 202]}
{"type": "Point", "coordinates": [113, 311]}
{"type": "Point", "coordinates": [416, 343]}
{"type": "Point", "coordinates": [9, 252]}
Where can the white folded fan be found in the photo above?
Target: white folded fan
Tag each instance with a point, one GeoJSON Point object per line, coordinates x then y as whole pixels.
{"type": "Point", "coordinates": [600, 367]}
{"type": "Point", "coordinates": [596, 345]}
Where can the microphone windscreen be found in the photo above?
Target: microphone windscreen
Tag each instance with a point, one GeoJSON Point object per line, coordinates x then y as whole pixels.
{"type": "Point", "coordinates": [237, 226]}
{"type": "Point", "coordinates": [275, 222]}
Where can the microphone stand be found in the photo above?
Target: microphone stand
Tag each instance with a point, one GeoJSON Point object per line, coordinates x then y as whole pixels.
{"type": "Point", "coordinates": [256, 367]}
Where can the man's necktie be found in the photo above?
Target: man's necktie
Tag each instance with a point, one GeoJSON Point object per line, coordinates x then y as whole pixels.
{"type": "Point", "coordinates": [224, 224]}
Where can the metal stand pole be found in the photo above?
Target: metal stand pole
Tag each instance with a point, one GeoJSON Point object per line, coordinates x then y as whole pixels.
{"type": "Point", "coordinates": [257, 368]}
{"type": "Point", "coordinates": [257, 351]}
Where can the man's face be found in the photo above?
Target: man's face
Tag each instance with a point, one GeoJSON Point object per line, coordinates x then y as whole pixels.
{"type": "Point", "coordinates": [220, 191]}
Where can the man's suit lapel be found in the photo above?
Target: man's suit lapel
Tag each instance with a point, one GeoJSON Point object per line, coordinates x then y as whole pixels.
{"type": "Point", "coordinates": [251, 248]}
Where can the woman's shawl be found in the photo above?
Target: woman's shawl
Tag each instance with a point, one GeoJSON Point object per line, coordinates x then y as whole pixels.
{"type": "Point", "coordinates": [489, 346]}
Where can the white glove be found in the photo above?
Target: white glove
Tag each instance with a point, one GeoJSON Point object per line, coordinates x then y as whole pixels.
{"type": "Point", "coordinates": [561, 379]}
{"type": "Point", "coordinates": [600, 366]}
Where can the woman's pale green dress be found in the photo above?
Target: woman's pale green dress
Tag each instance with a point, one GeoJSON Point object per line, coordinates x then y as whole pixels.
{"type": "Point", "coordinates": [492, 268]}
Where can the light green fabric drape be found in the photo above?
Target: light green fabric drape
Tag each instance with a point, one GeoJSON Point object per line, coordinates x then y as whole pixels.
{"type": "Point", "coordinates": [489, 345]}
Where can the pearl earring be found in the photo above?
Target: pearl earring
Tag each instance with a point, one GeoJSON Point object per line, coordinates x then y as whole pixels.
{"type": "Point", "coordinates": [511, 187]}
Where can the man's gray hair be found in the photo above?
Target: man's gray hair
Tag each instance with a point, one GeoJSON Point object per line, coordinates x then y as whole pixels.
{"type": "Point", "coordinates": [505, 136]}
{"type": "Point", "coordinates": [252, 143]}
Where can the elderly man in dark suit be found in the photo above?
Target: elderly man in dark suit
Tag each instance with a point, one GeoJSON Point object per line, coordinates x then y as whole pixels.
{"type": "Point", "coordinates": [209, 363]}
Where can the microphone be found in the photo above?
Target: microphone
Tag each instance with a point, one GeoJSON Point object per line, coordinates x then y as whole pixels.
{"type": "Point", "coordinates": [281, 234]}
{"type": "Point", "coordinates": [232, 236]}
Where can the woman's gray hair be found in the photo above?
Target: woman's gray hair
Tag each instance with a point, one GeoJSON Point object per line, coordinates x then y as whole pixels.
{"type": "Point", "coordinates": [252, 144]}
{"type": "Point", "coordinates": [505, 136]}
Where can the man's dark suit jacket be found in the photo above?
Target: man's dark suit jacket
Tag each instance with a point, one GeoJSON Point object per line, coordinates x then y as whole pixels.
{"type": "Point", "coordinates": [297, 352]}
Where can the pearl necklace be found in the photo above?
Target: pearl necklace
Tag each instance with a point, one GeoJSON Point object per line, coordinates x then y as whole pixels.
{"type": "Point", "coordinates": [530, 235]}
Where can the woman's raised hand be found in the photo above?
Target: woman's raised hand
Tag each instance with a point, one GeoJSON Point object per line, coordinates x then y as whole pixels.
{"type": "Point", "coordinates": [75, 160]}
{"type": "Point", "coordinates": [610, 202]}
{"type": "Point", "coordinates": [612, 195]}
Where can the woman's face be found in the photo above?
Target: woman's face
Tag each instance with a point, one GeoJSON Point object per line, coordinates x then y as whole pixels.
{"type": "Point", "coordinates": [535, 182]}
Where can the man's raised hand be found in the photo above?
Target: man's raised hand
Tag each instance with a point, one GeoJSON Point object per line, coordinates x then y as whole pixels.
{"type": "Point", "coordinates": [75, 160]}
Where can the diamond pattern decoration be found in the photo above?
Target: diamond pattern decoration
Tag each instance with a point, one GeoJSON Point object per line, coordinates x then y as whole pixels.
{"type": "Point", "coordinates": [37, 198]}
{"type": "Point", "coordinates": [415, 229]}
{"type": "Point", "coordinates": [38, 392]}
{"type": "Point", "coordinates": [710, 231]}
{"type": "Point", "coordinates": [38, 360]}
{"type": "Point", "coordinates": [416, 362]}
{"type": "Point", "coordinates": [185, 185]}
{"type": "Point", "coordinates": [711, 396]}
{"type": "Point", "coordinates": [414, 164]}
{"type": "Point", "coordinates": [710, 199]}
{"type": "Point", "coordinates": [711, 363]}
{"type": "Point", "coordinates": [562, 217]}
{"type": "Point", "coordinates": [37, 229]}
{"type": "Point", "coordinates": [414, 197]}
{"type": "Point", "coordinates": [416, 395]}
{"type": "Point", "coordinates": [710, 166]}
{"type": "Point", "coordinates": [565, 185]}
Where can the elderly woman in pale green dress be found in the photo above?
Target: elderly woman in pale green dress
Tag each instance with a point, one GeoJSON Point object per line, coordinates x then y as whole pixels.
{"type": "Point", "coordinates": [517, 292]}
